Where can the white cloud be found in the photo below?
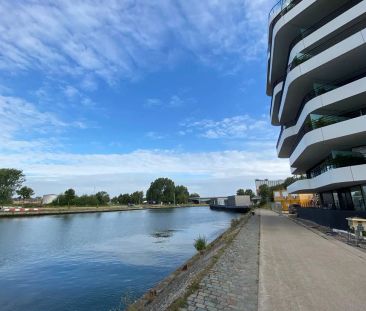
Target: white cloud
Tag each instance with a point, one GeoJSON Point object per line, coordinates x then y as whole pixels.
{"type": "Point", "coordinates": [154, 135]}
{"type": "Point", "coordinates": [237, 127]}
{"type": "Point", "coordinates": [175, 101]}
{"type": "Point", "coordinates": [21, 118]}
{"type": "Point", "coordinates": [82, 170]}
{"type": "Point", "coordinates": [117, 39]}
{"type": "Point", "coordinates": [153, 102]}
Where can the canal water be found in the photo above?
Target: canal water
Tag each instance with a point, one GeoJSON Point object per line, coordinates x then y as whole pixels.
{"type": "Point", "coordinates": [96, 261]}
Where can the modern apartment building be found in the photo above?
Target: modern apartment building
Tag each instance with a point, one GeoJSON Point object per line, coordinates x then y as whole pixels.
{"type": "Point", "coordinates": [317, 80]}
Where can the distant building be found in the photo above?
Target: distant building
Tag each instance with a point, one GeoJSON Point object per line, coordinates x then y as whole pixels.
{"type": "Point", "coordinates": [219, 201]}
{"type": "Point", "coordinates": [48, 198]}
{"type": "Point", "coordinates": [238, 200]}
{"type": "Point", "coordinates": [269, 183]}
{"type": "Point", "coordinates": [283, 199]}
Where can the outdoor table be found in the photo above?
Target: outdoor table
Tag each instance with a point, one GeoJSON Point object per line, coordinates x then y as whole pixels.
{"type": "Point", "coordinates": [356, 224]}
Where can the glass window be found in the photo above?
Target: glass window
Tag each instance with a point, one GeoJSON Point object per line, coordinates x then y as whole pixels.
{"type": "Point", "coordinates": [284, 194]}
{"type": "Point", "coordinates": [357, 199]}
{"type": "Point", "coordinates": [336, 200]}
{"type": "Point", "coordinates": [277, 194]}
{"type": "Point", "coordinates": [327, 200]}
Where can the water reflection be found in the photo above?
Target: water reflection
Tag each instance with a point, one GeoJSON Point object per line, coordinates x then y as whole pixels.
{"type": "Point", "coordinates": [89, 261]}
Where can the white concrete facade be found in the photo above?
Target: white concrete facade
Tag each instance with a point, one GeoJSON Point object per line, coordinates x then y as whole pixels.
{"type": "Point", "coordinates": [317, 80]}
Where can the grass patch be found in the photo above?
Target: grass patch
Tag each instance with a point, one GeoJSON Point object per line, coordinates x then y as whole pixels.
{"type": "Point", "coordinates": [200, 244]}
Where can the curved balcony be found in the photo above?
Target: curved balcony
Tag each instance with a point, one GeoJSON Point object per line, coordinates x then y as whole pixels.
{"type": "Point", "coordinates": [330, 180]}
{"type": "Point", "coordinates": [352, 12]}
{"type": "Point", "coordinates": [339, 60]}
{"type": "Point", "coordinates": [317, 144]}
{"type": "Point", "coordinates": [277, 11]}
{"type": "Point", "coordinates": [348, 96]}
{"type": "Point", "coordinates": [286, 28]}
{"type": "Point", "coordinates": [275, 104]}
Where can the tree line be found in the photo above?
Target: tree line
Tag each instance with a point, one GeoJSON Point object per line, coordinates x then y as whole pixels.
{"type": "Point", "coordinates": [161, 191]}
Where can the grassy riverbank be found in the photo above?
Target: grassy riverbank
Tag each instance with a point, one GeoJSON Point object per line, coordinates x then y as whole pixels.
{"type": "Point", "coordinates": [171, 293]}
{"type": "Point", "coordinates": [42, 211]}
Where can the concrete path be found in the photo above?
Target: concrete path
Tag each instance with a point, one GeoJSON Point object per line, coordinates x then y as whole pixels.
{"type": "Point", "coordinates": [232, 284]}
{"type": "Point", "coordinates": [301, 270]}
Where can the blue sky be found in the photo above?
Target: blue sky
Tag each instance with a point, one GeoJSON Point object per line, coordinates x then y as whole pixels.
{"type": "Point", "coordinates": [109, 95]}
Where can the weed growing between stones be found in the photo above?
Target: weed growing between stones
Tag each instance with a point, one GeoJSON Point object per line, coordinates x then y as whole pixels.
{"type": "Point", "coordinates": [200, 244]}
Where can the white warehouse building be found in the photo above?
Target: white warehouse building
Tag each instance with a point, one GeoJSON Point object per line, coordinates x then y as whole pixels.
{"type": "Point", "coordinates": [317, 80]}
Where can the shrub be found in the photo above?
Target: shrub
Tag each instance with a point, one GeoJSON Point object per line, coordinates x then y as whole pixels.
{"type": "Point", "coordinates": [200, 244]}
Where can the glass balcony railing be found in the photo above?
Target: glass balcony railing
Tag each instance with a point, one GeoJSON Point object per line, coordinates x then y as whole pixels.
{"type": "Point", "coordinates": [308, 54]}
{"type": "Point", "coordinates": [316, 121]}
{"type": "Point", "coordinates": [302, 57]}
{"type": "Point", "coordinates": [303, 33]}
{"type": "Point", "coordinates": [337, 159]}
{"type": "Point", "coordinates": [281, 8]}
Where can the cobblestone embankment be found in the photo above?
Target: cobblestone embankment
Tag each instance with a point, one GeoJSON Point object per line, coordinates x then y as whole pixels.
{"type": "Point", "coordinates": [171, 294]}
{"type": "Point", "coordinates": [232, 283]}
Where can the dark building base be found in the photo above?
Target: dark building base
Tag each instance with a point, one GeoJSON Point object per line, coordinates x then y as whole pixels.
{"type": "Point", "coordinates": [329, 217]}
{"type": "Point", "coordinates": [233, 209]}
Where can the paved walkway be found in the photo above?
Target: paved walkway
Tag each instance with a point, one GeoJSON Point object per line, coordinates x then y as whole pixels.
{"type": "Point", "coordinates": [301, 270]}
{"type": "Point", "coordinates": [232, 284]}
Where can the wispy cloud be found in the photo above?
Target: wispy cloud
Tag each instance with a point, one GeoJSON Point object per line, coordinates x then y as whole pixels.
{"type": "Point", "coordinates": [154, 135]}
{"type": "Point", "coordinates": [174, 101]}
{"type": "Point", "coordinates": [19, 118]}
{"type": "Point", "coordinates": [117, 39]}
{"type": "Point", "coordinates": [242, 126]}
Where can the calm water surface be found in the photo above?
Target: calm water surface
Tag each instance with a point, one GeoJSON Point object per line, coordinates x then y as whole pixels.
{"type": "Point", "coordinates": [91, 261]}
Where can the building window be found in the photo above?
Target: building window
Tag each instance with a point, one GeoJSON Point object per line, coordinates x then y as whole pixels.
{"type": "Point", "coordinates": [357, 199]}
{"type": "Point", "coordinates": [336, 200]}
{"type": "Point", "coordinates": [327, 200]}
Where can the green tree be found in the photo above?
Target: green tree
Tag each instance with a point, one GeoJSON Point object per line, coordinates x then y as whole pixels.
{"type": "Point", "coordinates": [69, 196]}
{"type": "Point", "coordinates": [264, 193]}
{"type": "Point", "coordinates": [240, 192]}
{"type": "Point", "coordinates": [161, 190]}
{"type": "Point", "coordinates": [194, 195]}
{"type": "Point", "coordinates": [102, 197]}
{"type": "Point", "coordinates": [250, 193]}
{"type": "Point", "coordinates": [114, 200]}
{"type": "Point", "coordinates": [25, 192]}
{"type": "Point", "coordinates": [86, 200]}
{"type": "Point", "coordinates": [124, 199]}
{"type": "Point", "coordinates": [10, 181]}
{"type": "Point", "coordinates": [137, 197]}
{"type": "Point", "coordinates": [181, 195]}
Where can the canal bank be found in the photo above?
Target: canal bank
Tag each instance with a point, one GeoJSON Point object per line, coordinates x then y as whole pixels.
{"type": "Point", "coordinates": [213, 280]}
{"type": "Point", "coordinates": [47, 211]}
